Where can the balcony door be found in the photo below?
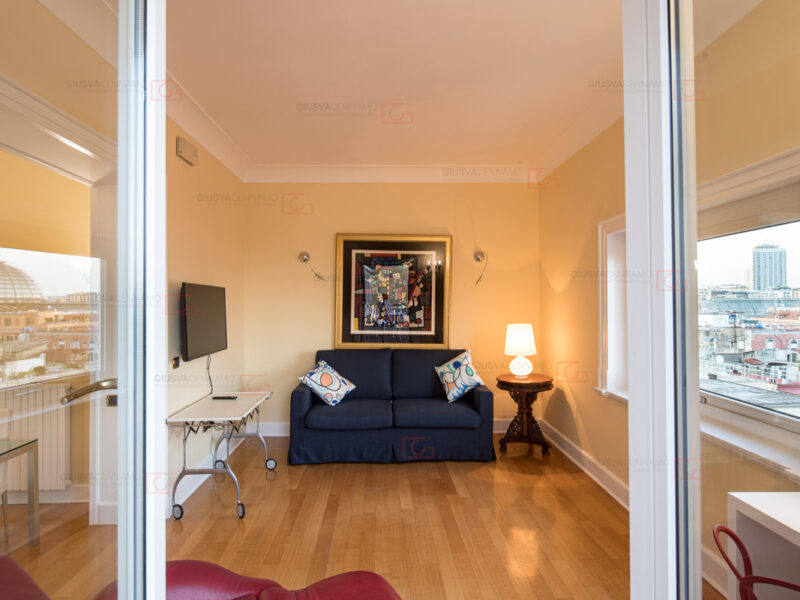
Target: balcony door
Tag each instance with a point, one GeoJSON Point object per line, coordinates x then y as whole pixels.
{"type": "Point", "coordinates": [81, 251]}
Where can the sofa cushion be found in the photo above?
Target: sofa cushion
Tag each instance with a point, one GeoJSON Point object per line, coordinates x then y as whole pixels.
{"type": "Point", "coordinates": [458, 376]}
{"type": "Point", "coordinates": [369, 370]}
{"type": "Point", "coordinates": [435, 413]}
{"type": "Point", "coordinates": [351, 414]}
{"type": "Point", "coordinates": [327, 383]}
{"type": "Point", "coordinates": [413, 374]}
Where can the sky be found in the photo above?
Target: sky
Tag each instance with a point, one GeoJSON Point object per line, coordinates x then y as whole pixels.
{"type": "Point", "coordinates": [56, 274]}
{"type": "Point", "coordinates": [727, 259]}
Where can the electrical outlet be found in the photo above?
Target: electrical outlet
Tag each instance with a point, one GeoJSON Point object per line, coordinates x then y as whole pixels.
{"type": "Point", "coordinates": [176, 362]}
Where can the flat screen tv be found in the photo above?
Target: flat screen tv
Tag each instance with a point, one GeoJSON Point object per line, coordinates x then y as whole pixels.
{"type": "Point", "coordinates": [203, 324]}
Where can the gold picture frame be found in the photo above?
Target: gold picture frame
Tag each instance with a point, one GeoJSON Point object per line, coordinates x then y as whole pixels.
{"type": "Point", "coordinates": [392, 291]}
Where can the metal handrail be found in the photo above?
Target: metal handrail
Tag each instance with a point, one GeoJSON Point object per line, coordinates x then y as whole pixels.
{"type": "Point", "coordinates": [104, 384]}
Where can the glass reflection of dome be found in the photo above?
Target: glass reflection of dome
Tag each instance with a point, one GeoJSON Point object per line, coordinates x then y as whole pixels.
{"type": "Point", "coordinates": [17, 287]}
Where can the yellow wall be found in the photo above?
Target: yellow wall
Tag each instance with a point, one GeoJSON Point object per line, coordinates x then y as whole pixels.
{"type": "Point", "coordinates": [224, 232]}
{"type": "Point", "coordinates": [588, 188]}
{"type": "Point", "coordinates": [42, 210]}
{"type": "Point", "coordinates": [42, 54]}
{"type": "Point", "coordinates": [290, 314]}
{"type": "Point", "coordinates": [749, 90]}
{"type": "Point", "coordinates": [205, 244]}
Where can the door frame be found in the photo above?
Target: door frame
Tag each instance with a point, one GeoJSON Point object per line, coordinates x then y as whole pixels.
{"type": "Point", "coordinates": [651, 349]}
{"type": "Point", "coordinates": [142, 286]}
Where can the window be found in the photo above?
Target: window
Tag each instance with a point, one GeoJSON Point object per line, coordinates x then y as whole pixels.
{"type": "Point", "coordinates": [613, 276]}
{"type": "Point", "coordinates": [46, 299]}
{"type": "Point", "coordinates": [748, 323]}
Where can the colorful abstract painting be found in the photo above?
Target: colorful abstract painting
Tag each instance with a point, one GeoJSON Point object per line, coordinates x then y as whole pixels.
{"type": "Point", "coordinates": [393, 291]}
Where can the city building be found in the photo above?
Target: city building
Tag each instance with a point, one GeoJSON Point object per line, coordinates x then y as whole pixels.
{"type": "Point", "coordinates": [769, 267]}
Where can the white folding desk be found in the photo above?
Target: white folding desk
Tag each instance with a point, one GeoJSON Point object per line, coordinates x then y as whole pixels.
{"type": "Point", "coordinates": [229, 416]}
{"type": "Point", "coordinates": [769, 525]}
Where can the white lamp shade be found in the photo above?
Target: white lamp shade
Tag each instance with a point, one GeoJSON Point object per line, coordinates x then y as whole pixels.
{"type": "Point", "coordinates": [519, 340]}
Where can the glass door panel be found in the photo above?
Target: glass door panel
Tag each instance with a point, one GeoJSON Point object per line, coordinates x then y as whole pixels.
{"type": "Point", "coordinates": [737, 103]}
{"type": "Point", "coordinates": [61, 382]}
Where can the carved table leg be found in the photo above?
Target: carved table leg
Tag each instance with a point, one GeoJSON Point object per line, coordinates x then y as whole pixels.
{"type": "Point", "coordinates": [524, 427]}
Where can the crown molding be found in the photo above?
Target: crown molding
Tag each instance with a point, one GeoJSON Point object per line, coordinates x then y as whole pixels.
{"type": "Point", "coordinates": [192, 118]}
{"type": "Point", "coordinates": [94, 21]}
{"type": "Point", "coordinates": [602, 114]}
{"type": "Point", "coordinates": [39, 131]}
{"type": "Point", "coordinates": [776, 171]}
{"type": "Point", "coordinates": [187, 113]}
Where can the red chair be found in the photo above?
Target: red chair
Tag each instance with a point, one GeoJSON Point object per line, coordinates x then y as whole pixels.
{"type": "Point", "coordinates": [195, 580]}
{"type": "Point", "coordinates": [748, 580]}
{"type": "Point", "coordinates": [16, 583]}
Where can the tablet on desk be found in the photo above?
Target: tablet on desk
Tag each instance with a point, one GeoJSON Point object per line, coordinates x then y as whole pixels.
{"type": "Point", "coordinates": [224, 397]}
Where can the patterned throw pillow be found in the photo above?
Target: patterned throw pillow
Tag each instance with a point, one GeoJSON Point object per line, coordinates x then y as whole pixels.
{"type": "Point", "coordinates": [326, 383]}
{"type": "Point", "coordinates": [458, 376]}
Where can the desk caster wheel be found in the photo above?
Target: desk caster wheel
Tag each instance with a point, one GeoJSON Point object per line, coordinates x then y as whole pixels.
{"type": "Point", "coordinates": [239, 510]}
{"type": "Point", "coordinates": [220, 464]}
{"type": "Point", "coordinates": [271, 464]}
{"type": "Point", "coordinates": [177, 512]}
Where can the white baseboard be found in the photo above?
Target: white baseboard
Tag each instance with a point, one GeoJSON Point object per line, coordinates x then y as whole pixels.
{"type": "Point", "coordinates": [715, 571]}
{"type": "Point", "coordinates": [106, 513]}
{"type": "Point", "coordinates": [275, 429]}
{"type": "Point", "coordinates": [501, 425]}
{"type": "Point", "coordinates": [73, 493]}
{"type": "Point", "coordinates": [607, 480]}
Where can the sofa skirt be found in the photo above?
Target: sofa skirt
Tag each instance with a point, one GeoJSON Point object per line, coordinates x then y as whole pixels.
{"type": "Point", "coordinates": [390, 445]}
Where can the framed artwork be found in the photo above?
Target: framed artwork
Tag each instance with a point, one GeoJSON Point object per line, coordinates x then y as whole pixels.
{"type": "Point", "coordinates": [392, 291]}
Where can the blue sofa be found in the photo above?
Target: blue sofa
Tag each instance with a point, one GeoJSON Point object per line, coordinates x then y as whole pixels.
{"type": "Point", "coordinates": [397, 413]}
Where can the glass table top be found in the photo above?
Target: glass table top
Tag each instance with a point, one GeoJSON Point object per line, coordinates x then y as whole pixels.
{"type": "Point", "coordinates": [7, 446]}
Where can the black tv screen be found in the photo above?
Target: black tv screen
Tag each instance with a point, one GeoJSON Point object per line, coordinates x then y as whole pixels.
{"type": "Point", "coordinates": [203, 324]}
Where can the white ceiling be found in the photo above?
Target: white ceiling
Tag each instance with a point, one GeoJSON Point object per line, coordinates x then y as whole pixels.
{"type": "Point", "coordinates": [376, 90]}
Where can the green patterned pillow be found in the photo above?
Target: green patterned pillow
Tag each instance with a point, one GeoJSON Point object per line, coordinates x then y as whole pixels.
{"type": "Point", "coordinates": [458, 376]}
{"type": "Point", "coordinates": [326, 383]}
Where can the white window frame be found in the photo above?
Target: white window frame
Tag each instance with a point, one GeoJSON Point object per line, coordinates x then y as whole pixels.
{"type": "Point", "coordinates": [606, 229]}
{"type": "Point", "coordinates": [753, 197]}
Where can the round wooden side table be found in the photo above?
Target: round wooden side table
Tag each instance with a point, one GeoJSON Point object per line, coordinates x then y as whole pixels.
{"type": "Point", "coordinates": [524, 427]}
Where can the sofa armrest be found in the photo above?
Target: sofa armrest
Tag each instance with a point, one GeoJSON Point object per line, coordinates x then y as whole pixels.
{"type": "Point", "coordinates": [483, 401]}
{"type": "Point", "coordinates": [302, 400]}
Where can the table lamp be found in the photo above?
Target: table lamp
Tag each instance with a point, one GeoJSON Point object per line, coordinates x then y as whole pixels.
{"type": "Point", "coordinates": [520, 343]}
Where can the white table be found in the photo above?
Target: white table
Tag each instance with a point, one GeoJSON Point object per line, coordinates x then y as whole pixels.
{"type": "Point", "coordinates": [230, 416]}
{"type": "Point", "coordinates": [769, 525]}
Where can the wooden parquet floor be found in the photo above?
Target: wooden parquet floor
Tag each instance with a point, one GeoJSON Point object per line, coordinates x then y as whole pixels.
{"type": "Point", "coordinates": [523, 527]}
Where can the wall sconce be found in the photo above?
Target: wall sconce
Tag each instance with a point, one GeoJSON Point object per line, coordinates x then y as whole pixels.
{"type": "Point", "coordinates": [437, 263]}
{"type": "Point", "coordinates": [305, 258]}
{"type": "Point", "coordinates": [479, 256]}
